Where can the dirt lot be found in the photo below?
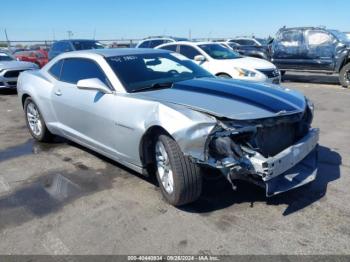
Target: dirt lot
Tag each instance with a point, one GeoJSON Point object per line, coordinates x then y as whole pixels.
{"type": "Point", "coordinates": [63, 199]}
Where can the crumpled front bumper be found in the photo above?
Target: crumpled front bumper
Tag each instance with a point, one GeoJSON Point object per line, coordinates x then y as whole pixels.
{"type": "Point", "coordinates": [291, 168]}
{"type": "Point", "coordinates": [299, 175]}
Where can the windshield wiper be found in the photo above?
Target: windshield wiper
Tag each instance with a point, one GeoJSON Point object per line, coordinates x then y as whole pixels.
{"type": "Point", "coordinates": [154, 86]}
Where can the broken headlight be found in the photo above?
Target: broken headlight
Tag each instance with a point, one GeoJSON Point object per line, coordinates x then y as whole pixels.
{"type": "Point", "coordinates": [226, 142]}
{"type": "Point", "coordinates": [224, 147]}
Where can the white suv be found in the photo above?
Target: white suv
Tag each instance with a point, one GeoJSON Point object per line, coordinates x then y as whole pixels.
{"type": "Point", "coordinates": [223, 62]}
{"type": "Point", "coordinates": [152, 42]}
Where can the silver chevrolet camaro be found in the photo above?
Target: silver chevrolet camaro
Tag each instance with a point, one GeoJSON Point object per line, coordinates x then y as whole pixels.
{"type": "Point", "coordinates": [157, 112]}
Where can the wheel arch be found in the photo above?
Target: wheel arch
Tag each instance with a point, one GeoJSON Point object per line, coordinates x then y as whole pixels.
{"type": "Point", "coordinates": [344, 61]}
{"type": "Point", "coordinates": [24, 97]}
{"type": "Point", "coordinates": [146, 146]}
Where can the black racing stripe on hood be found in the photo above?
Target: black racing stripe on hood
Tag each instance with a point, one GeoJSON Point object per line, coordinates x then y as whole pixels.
{"type": "Point", "coordinates": [246, 95]}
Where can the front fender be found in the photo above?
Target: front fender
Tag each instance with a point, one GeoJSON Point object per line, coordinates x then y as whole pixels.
{"type": "Point", "coordinates": [190, 128]}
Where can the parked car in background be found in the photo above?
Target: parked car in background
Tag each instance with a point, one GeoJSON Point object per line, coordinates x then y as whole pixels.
{"type": "Point", "coordinates": [44, 52]}
{"type": "Point", "coordinates": [152, 42]}
{"type": "Point", "coordinates": [160, 114]}
{"type": "Point", "coordinates": [64, 46]}
{"type": "Point", "coordinates": [224, 62]}
{"type": "Point", "coordinates": [35, 57]}
{"type": "Point", "coordinates": [248, 41]}
{"type": "Point", "coordinates": [254, 47]}
{"type": "Point", "coordinates": [312, 49]}
{"type": "Point", "coordinates": [10, 69]}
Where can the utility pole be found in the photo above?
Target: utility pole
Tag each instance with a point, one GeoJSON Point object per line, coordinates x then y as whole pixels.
{"type": "Point", "coordinates": [53, 34]}
{"type": "Point", "coordinates": [69, 33]}
{"type": "Point", "coordinates": [7, 39]}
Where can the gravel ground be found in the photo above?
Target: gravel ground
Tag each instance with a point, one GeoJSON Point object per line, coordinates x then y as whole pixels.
{"type": "Point", "coordinates": [61, 198]}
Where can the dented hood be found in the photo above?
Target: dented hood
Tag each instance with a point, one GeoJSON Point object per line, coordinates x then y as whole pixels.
{"type": "Point", "coordinates": [232, 99]}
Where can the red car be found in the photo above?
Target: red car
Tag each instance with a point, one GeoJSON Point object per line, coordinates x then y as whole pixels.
{"type": "Point", "coordinates": [36, 57]}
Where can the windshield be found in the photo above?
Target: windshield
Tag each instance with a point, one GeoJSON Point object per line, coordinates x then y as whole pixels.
{"type": "Point", "coordinates": [5, 57]}
{"type": "Point", "coordinates": [86, 45]}
{"type": "Point", "coordinates": [340, 36]}
{"type": "Point", "coordinates": [138, 72]}
{"type": "Point", "coordinates": [217, 51]}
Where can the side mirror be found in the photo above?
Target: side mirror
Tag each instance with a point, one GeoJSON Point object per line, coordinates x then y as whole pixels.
{"type": "Point", "coordinates": [199, 58]}
{"type": "Point", "coordinates": [93, 84]}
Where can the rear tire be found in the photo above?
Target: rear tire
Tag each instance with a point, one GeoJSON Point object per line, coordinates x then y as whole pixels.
{"type": "Point", "coordinates": [35, 122]}
{"type": "Point", "coordinates": [344, 76]}
{"type": "Point", "coordinates": [179, 179]}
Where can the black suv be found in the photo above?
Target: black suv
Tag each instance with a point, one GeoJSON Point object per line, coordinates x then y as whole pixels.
{"type": "Point", "coordinates": [312, 49]}
{"type": "Point", "coordinates": [63, 46]}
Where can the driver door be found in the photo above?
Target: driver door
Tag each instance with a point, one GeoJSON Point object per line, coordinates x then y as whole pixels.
{"type": "Point", "coordinates": [85, 116]}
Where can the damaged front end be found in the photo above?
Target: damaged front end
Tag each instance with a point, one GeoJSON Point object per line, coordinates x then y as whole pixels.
{"type": "Point", "coordinates": [278, 153]}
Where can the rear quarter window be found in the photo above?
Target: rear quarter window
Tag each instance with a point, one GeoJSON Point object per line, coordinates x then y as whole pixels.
{"type": "Point", "coordinates": [55, 70]}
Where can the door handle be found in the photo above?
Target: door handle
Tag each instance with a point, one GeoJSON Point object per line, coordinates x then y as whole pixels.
{"type": "Point", "coordinates": [58, 92]}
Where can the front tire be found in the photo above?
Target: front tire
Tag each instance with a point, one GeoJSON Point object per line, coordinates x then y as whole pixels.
{"type": "Point", "coordinates": [344, 76]}
{"type": "Point", "coordinates": [35, 122]}
{"type": "Point", "coordinates": [179, 179]}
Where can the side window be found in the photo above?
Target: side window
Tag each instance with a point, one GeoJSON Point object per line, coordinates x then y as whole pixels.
{"type": "Point", "coordinates": [317, 37]}
{"type": "Point", "coordinates": [170, 48]}
{"type": "Point", "coordinates": [145, 44]}
{"type": "Point", "coordinates": [291, 38]}
{"type": "Point", "coordinates": [56, 46]}
{"type": "Point", "coordinates": [240, 42]}
{"type": "Point", "coordinates": [66, 47]}
{"type": "Point", "coordinates": [188, 51]}
{"type": "Point", "coordinates": [250, 42]}
{"type": "Point", "coordinates": [75, 69]}
{"type": "Point", "coordinates": [55, 70]}
{"type": "Point", "coordinates": [156, 43]}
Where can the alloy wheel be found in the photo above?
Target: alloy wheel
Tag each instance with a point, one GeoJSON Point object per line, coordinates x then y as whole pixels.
{"type": "Point", "coordinates": [165, 171]}
{"type": "Point", "coordinates": [34, 119]}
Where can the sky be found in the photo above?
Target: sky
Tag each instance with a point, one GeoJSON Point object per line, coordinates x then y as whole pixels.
{"type": "Point", "coordinates": [116, 19]}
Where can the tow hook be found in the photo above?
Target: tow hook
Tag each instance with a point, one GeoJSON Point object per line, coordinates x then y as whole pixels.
{"type": "Point", "coordinates": [236, 172]}
{"type": "Point", "coordinates": [234, 187]}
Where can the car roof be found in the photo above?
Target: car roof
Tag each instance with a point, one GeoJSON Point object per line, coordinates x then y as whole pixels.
{"type": "Point", "coordinates": [303, 28]}
{"type": "Point", "coordinates": [73, 40]}
{"type": "Point", "coordinates": [157, 38]}
{"type": "Point", "coordinates": [191, 43]}
{"type": "Point", "coordinates": [117, 52]}
{"type": "Point", "coordinates": [165, 37]}
{"type": "Point", "coordinates": [243, 38]}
